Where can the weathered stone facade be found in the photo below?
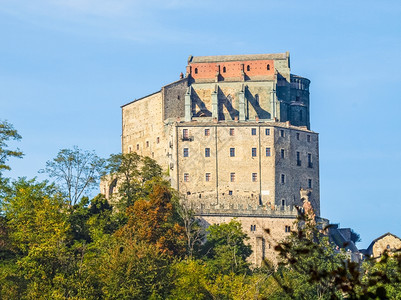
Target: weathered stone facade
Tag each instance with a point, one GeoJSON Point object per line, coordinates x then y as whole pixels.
{"type": "Point", "coordinates": [234, 136]}
{"type": "Point", "coordinates": [387, 242]}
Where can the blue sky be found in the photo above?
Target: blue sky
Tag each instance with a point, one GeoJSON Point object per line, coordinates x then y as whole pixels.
{"type": "Point", "coordinates": [67, 66]}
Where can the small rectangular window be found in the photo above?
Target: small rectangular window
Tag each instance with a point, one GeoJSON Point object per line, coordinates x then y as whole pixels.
{"type": "Point", "coordinates": [310, 165]}
{"type": "Point", "coordinates": [253, 131]}
{"type": "Point", "coordinates": [207, 132]}
{"type": "Point", "coordinates": [308, 138]}
{"type": "Point", "coordinates": [207, 152]}
{"type": "Point", "coordinates": [253, 152]}
{"type": "Point", "coordinates": [232, 152]}
{"type": "Point", "coordinates": [185, 133]}
{"type": "Point", "coordinates": [310, 183]}
{"type": "Point", "coordinates": [186, 177]}
{"type": "Point", "coordinates": [282, 178]}
{"type": "Point", "coordinates": [254, 177]}
{"type": "Point", "coordinates": [137, 146]}
{"type": "Point", "coordinates": [186, 152]}
{"type": "Point", "coordinates": [298, 136]}
{"type": "Point", "coordinates": [282, 153]}
{"type": "Point", "coordinates": [157, 140]}
{"type": "Point", "coordinates": [207, 177]}
{"type": "Point", "coordinates": [232, 131]}
{"type": "Point", "coordinates": [230, 193]}
{"type": "Point", "coordinates": [298, 158]}
{"type": "Point", "coordinates": [268, 152]}
{"type": "Point", "coordinates": [232, 177]}
{"type": "Point", "coordinates": [267, 131]}
{"type": "Point", "coordinates": [282, 133]}
{"type": "Point", "coordinates": [147, 144]}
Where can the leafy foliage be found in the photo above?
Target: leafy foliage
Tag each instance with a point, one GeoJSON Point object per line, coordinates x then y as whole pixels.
{"type": "Point", "coordinates": [76, 170]}
{"type": "Point", "coordinates": [226, 249]}
{"type": "Point", "coordinates": [7, 132]}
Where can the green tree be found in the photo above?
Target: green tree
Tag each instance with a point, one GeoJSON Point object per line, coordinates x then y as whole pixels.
{"type": "Point", "coordinates": [135, 175]}
{"type": "Point", "coordinates": [78, 171]}
{"type": "Point", "coordinates": [38, 233]}
{"type": "Point", "coordinates": [7, 133]}
{"type": "Point", "coordinates": [131, 269]}
{"type": "Point", "coordinates": [382, 277]}
{"type": "Point", "coordinates": [226, 250]}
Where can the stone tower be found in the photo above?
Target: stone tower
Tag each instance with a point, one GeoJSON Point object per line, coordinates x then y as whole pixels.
{"type": "Point", "coordinates": [234, 135]}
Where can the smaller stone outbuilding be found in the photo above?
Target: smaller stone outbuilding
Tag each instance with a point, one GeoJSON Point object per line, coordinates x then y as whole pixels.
{"type": "Point", "coordinates": [387, 242]}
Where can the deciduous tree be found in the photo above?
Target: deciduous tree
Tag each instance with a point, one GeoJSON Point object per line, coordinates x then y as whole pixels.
{"type": "Point", "coordinates": [78, 171]}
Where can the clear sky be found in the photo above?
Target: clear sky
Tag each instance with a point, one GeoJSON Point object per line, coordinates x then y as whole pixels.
{"type": "Point", "coordinates": [66, 66]}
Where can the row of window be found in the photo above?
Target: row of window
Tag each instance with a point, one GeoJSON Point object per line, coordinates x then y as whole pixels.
{"type": "Point", "coordinates": [248, 68]}
{"type": "Point", "coordinates": [185, 133]}
{"type": "Point", "coordinates": [254, 154]}
{"type": "Point", "coordinates": [254, 178]}
{"type": "Point", "coordinates": [267, 230]}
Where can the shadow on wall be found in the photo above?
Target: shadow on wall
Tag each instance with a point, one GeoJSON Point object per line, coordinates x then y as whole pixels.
{"type": "Point", "coordinates": [226, 101]}
{"type": "Point", "coordinates": [198, 106]}
{"type": "Point", "coordinates": [254, 101]}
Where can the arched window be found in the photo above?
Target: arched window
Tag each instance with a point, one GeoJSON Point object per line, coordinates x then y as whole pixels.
{"type": "Point", "coordinates": [248, 67]}
{"type": "Point", "coordinates": [224, 69]}
{"type": "Point", "coordinates": [196, 70]}
{"type": "Point", "coordinates": [268, 67]}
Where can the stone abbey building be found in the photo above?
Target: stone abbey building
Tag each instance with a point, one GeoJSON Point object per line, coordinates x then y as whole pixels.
{"type": "Point", "coordinates": [234, 136]}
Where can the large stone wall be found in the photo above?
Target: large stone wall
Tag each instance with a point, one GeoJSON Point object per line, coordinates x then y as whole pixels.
{"type": "Point", "coordinates": [174, 99]}
{"type": "Point", "coordinates": [248, 176]}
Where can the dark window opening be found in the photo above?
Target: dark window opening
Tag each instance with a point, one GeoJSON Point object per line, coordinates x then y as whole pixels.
{"type": "Point", "coordinates": [310, 165]}
{"type": "Point", "coordinates": [232, 152]}
{"type": "Point", "coordinates": [230, 193]}
{"type": "Point", "coordinates": [207, 152]}
{"type": "Point", "coordinates": [224, 69]}
{"type": "Point", "coordinates": [196, 70]}
{"type": "Point", "coordinates": [253, 152]}
{"type": "Point", "coordinates": [253, 131]}
{"type": "Point", "coordinates": [248, 67]}
{"type": "Point", "coordinates": [268, 67]}
{"type": "Point", "coordinates": [282, 153]}
{"type": "Point", "coordinates": [298, 136]}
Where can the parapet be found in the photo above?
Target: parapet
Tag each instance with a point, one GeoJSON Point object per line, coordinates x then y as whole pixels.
{"type": "Point", "coordinates": [240, 210]}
